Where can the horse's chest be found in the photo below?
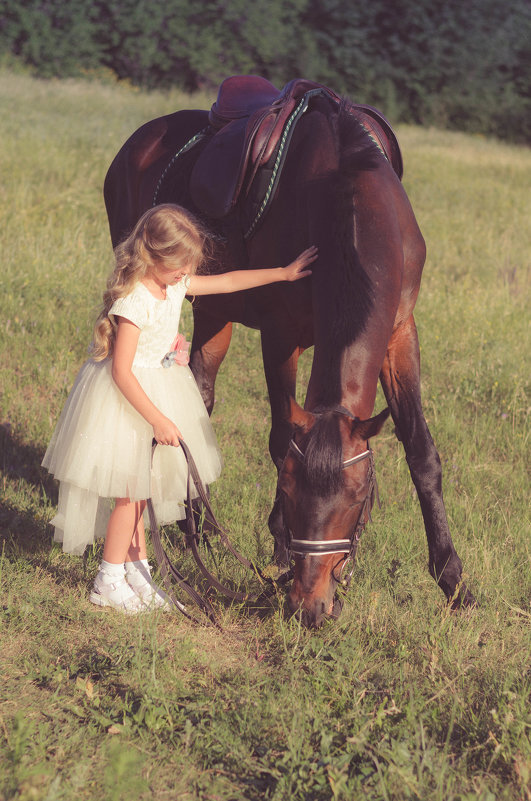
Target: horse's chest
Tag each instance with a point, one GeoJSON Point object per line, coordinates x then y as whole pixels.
{"type": "Point", "coordinates": [286, 308]}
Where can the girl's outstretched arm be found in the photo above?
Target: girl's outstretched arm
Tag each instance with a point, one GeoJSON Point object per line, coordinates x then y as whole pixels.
{"type": "Point", "coordinates": [164, 430]}
{"type": "Point", "coordinates": [249, 279]}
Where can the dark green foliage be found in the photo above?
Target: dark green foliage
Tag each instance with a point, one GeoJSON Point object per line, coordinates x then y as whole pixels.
{"type": "Point", "coordinates": [435, 62]}
{"type": "Point", "coordinates": [53, 37]}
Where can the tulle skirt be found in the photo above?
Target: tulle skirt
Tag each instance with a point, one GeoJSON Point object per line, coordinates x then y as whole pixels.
{"type": "Point", "coordinates": [101, 450]}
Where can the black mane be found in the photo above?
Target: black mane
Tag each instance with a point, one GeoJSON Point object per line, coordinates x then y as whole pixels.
{"type": "Point", "coordinates": [350, 291]}
{"type": "Point", "coordinates": [323, 455]}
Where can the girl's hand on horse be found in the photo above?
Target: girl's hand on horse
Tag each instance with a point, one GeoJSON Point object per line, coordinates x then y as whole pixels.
{"type": "Point", "coordinates": [238, 280]}
{"type": "Point", "coordinates": [166, 432]}
{"type": "Point", "coordinates": [298, 268]}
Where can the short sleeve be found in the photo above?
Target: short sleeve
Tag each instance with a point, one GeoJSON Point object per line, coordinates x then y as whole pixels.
{"type": "Point", "coordinates": [133, 308]}
{"type": "Point", "coordinates": [180, 289]}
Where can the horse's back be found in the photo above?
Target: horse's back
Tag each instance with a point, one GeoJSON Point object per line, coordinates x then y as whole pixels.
{"type": "Point", "coordinates": [131, 179]}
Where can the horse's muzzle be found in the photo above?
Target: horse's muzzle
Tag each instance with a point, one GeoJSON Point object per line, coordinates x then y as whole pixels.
{"type": "Point", "coordinates": [316, 613]}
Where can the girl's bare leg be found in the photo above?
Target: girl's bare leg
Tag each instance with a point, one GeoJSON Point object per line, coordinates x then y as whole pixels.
{"type": "Point", "coordinates": [137, 548]}
{"type": "Point", "coordinates": [125, 539]}
{"type": "Point", "coordinates": [125, 535]}
{"type": "Point", "coordinates": [124, 580]}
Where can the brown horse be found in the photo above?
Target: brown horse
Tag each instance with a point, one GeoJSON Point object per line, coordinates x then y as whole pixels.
{"type": "Point", "coordinates": [339, 188]}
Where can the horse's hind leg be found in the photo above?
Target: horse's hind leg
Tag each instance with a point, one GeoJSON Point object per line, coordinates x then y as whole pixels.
{"type": "Point", "coordinates": [400, 377]}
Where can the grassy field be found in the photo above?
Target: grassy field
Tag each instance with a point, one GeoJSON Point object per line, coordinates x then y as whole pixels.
{"type": "Point", "coordinates": [398, 700]}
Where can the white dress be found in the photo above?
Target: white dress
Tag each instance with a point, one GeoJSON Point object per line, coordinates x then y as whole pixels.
{"type": "Point", "coordinates": [101, 447]}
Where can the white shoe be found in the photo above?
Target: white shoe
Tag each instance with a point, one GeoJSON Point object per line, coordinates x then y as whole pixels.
{"type": "Point", "coordinates": [116, 594]}
{"type": "Point", "coordinates": [138, 576]}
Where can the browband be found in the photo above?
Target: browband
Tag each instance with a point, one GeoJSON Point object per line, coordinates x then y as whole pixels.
{"type": "Point", "coordinates": [358, 458]}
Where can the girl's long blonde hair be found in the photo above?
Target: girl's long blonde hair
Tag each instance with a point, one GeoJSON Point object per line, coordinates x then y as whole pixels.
{"type": "Point", "coordinates": [163, 233]}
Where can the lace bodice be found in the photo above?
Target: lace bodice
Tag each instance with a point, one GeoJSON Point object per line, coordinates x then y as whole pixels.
{"type": "Point", "coordinates": [158, 320]}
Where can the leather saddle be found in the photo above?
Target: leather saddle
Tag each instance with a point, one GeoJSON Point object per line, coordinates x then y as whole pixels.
{"type": "Point", "coordinates": [251, 124]}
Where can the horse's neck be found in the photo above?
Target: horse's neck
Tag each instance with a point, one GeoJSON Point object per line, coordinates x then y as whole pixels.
{"type": "Point", "coordinates": [347, 379]}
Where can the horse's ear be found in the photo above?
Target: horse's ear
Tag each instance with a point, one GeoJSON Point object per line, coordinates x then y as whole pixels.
{"type": "Point", "coordinates": [366, 429]}
{"type": "Point", "coordinates": [299, 417]}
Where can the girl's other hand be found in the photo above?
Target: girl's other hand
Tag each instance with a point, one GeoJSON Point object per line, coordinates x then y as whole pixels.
{"type": "Point", "coordinates": [297, 269]}
{"type": "Point", "coordinates": [166, 432]}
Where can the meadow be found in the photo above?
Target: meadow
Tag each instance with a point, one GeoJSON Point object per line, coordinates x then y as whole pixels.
{"type": "Point", "coordinates": [400, 698]}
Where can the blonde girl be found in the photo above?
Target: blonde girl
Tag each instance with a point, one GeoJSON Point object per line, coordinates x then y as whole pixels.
{"type": "Point", "coordinates": [124, 396]}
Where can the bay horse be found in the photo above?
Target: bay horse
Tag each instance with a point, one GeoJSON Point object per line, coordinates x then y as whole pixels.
{"type": "Point", "coordinates": [337, 187]}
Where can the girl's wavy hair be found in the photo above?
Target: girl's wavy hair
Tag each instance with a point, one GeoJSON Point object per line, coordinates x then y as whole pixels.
{"type": "Point", "coordinates": [163, 233]}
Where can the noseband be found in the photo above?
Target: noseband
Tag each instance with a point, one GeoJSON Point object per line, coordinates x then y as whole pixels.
{"type": "Point", "coordinates": [345, 546]}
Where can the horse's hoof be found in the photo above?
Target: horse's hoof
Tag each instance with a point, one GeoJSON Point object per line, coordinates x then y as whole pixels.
{"type": "Point", "coordinates": [463, 599]}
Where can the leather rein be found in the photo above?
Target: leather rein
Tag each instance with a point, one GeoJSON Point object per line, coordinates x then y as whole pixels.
{"type": "Point", "coordinates": [192, 540]}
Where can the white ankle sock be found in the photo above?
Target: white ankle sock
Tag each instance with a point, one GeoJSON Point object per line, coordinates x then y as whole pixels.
{"type": "Point", "coordinates": [130, 567]}
{"type": "Point", "coordinates": [138, 576]}
{"type": "Point", "coordinates": [109, 571]}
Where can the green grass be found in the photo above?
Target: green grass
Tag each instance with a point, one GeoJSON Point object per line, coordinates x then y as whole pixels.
{"type": "Point", "coordinates": [398, 700]}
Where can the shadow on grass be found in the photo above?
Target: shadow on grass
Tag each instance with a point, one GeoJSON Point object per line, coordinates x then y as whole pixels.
{"type": "Point", "coordinates": [24, 462]}
{"type": "Point", "coordinates": [25, 539]}
{"type": "Point", "coordinates": [21, 533]}
{"type": "Point", "coordinates": [25, 536]}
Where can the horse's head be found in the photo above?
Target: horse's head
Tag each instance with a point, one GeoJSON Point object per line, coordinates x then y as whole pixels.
{"type": "Point", "coordinates": [327, 485]}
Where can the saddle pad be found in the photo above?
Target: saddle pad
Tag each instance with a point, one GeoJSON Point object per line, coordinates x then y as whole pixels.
{"type": "Point", "coordinates": [215, 176]}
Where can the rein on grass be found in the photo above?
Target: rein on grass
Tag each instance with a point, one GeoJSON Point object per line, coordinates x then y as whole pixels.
{"type": "Point", "coordinates": [192, 540]}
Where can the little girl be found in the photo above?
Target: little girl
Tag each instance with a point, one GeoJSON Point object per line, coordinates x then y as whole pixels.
{"type": "Point", "coordinates": [123, 397]}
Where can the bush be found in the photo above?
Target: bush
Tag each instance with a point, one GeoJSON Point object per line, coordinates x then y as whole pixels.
{"type": "Point", "coordinates": [433, 62]}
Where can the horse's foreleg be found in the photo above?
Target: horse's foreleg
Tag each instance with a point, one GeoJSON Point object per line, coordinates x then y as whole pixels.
{"type": "Point", "coordinates": [210, 343]}
{"type": "Point", "coordinates": [400, 378]}
{"type": "Point", "coordinates": [280, 367]}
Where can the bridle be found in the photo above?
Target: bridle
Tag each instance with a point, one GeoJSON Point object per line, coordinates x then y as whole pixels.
{"type": "Point", "coordinates": [348, 546]}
